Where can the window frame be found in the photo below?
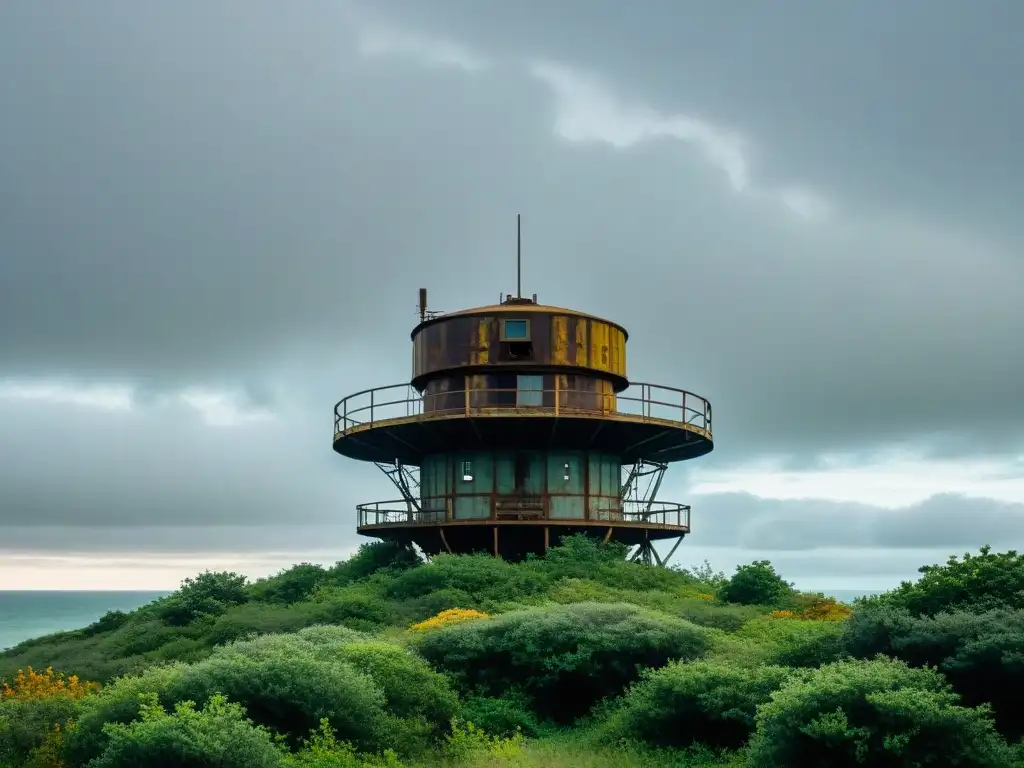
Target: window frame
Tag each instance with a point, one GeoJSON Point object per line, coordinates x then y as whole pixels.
{"type": "Point", "coordinates": [503, 332]}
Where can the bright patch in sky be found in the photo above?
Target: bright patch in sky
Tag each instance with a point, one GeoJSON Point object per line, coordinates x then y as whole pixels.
{"type": "Point", "coordinates": [217, 408]}
{"type": "Point", "coordinates": [890, 483]}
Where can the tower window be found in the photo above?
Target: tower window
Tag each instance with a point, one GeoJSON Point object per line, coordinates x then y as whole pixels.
{"type": "Point", "coordinates": [515, 330]}
{"type": "Point", "coordinates": [566, 472]}
{"type": "Point", "coordinates": [467, 471]}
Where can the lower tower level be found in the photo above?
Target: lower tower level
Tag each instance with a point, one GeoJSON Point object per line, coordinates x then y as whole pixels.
{"type": "Point", "coordinates": [520, 427]}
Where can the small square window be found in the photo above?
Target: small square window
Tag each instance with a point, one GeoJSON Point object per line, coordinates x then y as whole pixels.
{"type": "Point", "coordinates": [515, 330]}
{"type": "Point", "coordinates": [467, 471]}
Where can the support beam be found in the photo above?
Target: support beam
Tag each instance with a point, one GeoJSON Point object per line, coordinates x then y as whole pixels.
{"type": "Point", "coordinates": [444, 540]}
{"type": "Point", "coordinates": [547, 539]}
{"type": "Point", "coordinates": [608, 535]}
{"type": "Point", "coordinates": [495, 541]}
{"type": "Point", "coordinates": [673, 550]}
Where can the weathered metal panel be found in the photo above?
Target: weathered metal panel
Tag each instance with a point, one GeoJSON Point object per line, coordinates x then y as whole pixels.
{"type": "Point", "coordinates": [472, 497]}
{"type": "Point", "coordinates": [580, 342]}
{"type": "Point", "coordinates": [560, 340]}
{"type": "Point", "coordinates": [504, 472]}
{"type": "Point", "coordinates": [565, 484]}
{"type": "Point", "coordinates": [556, 339]}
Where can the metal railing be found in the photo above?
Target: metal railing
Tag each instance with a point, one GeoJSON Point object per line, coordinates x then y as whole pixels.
{"type": "Point", "coordinates": [399, 512]}
{"type": "Point", "coordinates": [649, 402]}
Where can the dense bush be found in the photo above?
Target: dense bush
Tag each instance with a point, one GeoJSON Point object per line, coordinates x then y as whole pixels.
{"type": "Point", "coordinates": [219, 734]}
{"type": "Point", "coordinates": [32, 707]}
{"type": "Point", "coordinates": [795, 643]}
{"type": "Point", "coordinates": [683, 703]}
{"type": "Point", "coordinates": [208, 594]}
{"type": "Point", "coordinates": [728, 618]}
{"type": "Point", "coordinates": [876, 712]}
{"type": "Point", "coordinates": [119, 702]}
{"type": "Point", "coordinates": [370, 559]}
{"type": "Point", "coordinates": [259, 618]}
{"type": "Point", "coordinates": [755, 584]}
{"type": "Point", "coordinates": [422, 700]}
{"type": "Point", "coordinates": [974, 582]}
{"type": "Point", "coordinates": [289, 688]}
{"type": "Point", "coordinates": [290, 585]}
{"type": "Point", "coordinates": [981, 654]}
{"type": "Point", "coordinates": [566, 658]}
{"type": "Point", "coordinates": [501, 716]}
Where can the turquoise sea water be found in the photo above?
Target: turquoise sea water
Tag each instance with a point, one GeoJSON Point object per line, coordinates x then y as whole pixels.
{"type": "Point", "coordinates": [24, 615]}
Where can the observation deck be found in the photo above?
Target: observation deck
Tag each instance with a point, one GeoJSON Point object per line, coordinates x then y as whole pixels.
{"type": "Point", "coordinates": [646, 421]}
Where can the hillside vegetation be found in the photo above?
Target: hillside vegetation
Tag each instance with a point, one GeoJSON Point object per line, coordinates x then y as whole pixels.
{"type": "Point", "coordinates": [578, 659]}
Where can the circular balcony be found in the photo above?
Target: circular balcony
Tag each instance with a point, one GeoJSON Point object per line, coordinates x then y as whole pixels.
{"type": "Point", "coordinates": [646, 421]}
{"type": "Point", "coordinates": [514, 534]}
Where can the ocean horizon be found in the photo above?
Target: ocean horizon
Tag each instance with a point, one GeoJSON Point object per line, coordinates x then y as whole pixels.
{"type": "Point", "coordinates": [27, 614]}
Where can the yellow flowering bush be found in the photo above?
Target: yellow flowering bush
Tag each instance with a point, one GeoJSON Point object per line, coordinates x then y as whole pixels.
{"type": "Point", "coordinates": [822, 610]}
{"type": "Point", "coordinates": [448, 618]}
{"type": "Point", "coordinates": [705, 597]}
{"type": "Point", "coordinates": [46, 685]}
{"type": "Point", "coordinates": [826, 610]}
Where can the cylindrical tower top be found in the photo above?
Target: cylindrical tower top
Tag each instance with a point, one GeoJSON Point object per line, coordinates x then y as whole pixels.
{"type": "Point", "coordinates": [519, 334]}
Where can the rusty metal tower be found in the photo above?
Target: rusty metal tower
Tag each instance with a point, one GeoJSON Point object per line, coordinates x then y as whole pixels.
{"type": "Point", "coordinates": [519, 426]}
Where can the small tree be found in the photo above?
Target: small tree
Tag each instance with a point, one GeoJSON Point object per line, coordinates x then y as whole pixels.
{"type": "Point", "coordinates": [755, 584]}
{"type": "Point", "coordinates": [209, 593]}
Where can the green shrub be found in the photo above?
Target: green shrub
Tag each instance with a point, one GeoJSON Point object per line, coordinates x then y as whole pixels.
{"type": "Point", "coordinates": [566, 658]}
{"type": "Point", "coordinates": [359, 606]}
{"type": "Point", "coordinates": [500, 716]}
{"type": "Point", "coordinates": [411, 688]}
{"type": "Point", "coordinates": [480, 576]}
{"type": "Point", "coordinates": [323, 750]}
{"type": "Point", "coordinates": [289, 688]}
{"type": "Point", "coordinates": [108, 622]}
{"type": "Point", "coordinates": [755, 584]}
{"type": "Point", "coordinates": [795, 643]}
{"type": "Point", "coordinates": [981, 654]}
{"type": "Point", "coordinates": [119, 702]}
{"type": "Point", "coordinates": [26, 723]}
{"type": "Point", "coordinates": [877, 712]}
{"type": "Point", "coordinates": [373, 558]}
{"type": "Point", "coordinates": [259, 618]}
{"type": "Point", "coordinates": [975, 582]}
{"type": "Point", "coordinates": [290, 585]}
{"type": "Point", "coordinates": [728, 618]}
{"type": "Point", "coordinates": [710, 702]}
{"type": "Point", "coordinates": [218, 735]}
{"type": "Point", "coordinates": [208, 594]}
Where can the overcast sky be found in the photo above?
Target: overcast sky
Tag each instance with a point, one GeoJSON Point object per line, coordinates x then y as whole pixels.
{"type": "Point", "coordinates": [214, 217]}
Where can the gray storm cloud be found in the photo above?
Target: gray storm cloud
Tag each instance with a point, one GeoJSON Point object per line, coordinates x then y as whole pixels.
{"type": "Point", "coordinates": [251, 199]}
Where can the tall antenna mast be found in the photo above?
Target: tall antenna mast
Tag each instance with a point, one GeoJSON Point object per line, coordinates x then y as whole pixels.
{"type": "Point", "coordinates": [519, 257]}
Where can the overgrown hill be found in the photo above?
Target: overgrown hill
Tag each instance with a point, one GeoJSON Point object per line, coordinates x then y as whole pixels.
{"type": "Point", "coordinates": [577, 654]}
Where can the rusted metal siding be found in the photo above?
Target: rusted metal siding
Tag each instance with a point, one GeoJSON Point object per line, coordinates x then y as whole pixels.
{"type": "Point", "coordinates": [563, 340]}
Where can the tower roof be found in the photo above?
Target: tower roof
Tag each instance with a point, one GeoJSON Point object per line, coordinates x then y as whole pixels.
{"type": "Point", "coordinates": [514, 305]}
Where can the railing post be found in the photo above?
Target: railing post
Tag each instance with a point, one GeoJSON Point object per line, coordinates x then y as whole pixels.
{"type": "Point", "coordinates": [465, 388]}
{"type": "Point", "coordinates": [684, 419]}
{"type": "Point", "coordinates": [557, 398]}
{"type": "Point", "coordinates": [371, 407]}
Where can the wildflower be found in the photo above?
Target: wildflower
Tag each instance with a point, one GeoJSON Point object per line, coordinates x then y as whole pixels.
{"type": "Point", "coordinates": [46, 685]}
{"type": "Point", "coordinates": [448, 618]}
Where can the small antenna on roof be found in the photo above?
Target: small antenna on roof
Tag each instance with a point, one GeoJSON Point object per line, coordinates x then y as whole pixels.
{"type": "Point", "coordinates": [519, 257]}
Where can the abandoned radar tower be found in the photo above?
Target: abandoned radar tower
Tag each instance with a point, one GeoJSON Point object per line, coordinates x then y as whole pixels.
{"type": "Point", "coordinates": [520, 426]}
